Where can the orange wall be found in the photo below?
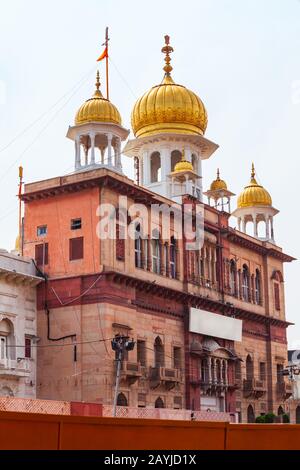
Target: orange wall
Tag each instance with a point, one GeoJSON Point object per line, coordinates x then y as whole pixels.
{"type": "Point", "coordinates": [32, 432]}
{"type": "Point", "coordinates": [56, 213]}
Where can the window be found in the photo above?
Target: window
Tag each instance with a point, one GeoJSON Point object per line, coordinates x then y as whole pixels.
{"type": "Point", "coordinates": [177, 357]}
{"type": "Point", "coordinates": [257, 288]}
{"type": "Point", "coordinates": [155, 252]}
{"type": "Point", "coordinates": [249, 368]}
{"type": "Point", "coordinates": [176, 156]}
{"type": "Point", "coordinates": [138, 247]}
{"type": "Point", "coordinates": [122, 400]}
{"type": "Point", "coordinates": [76, 224]}
{"type": "Point", "coordinates": [279, 370]}
{"type": "Point", "coordinates": [245, 284]}
{"type": "Point", "coordinates": [76, 248]}
{"type": "Point", "coordinates": [173, 258]}
{"type": "Point", "coordinates": [41, 254]}
{"type": "Point", "coordinates": [28, 348]}
{"type": "Point", "coordinates": [277, 296]}
{"type": "Point", "coordinates": [233, 288]}
{"type": "Point", "coordinates": [141, 352]}
{"type": "Point", "coordinates": [262, 371]}
{"type": "Point", "coordinates": [3, 347]}
{"type": "Point", "coordinates": [42, 231]}
{"type": "Point", "coordinates": [158, 353]}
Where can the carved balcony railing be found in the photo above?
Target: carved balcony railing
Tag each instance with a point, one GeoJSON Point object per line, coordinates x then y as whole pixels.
{"type": "Point", "coordinates": [131, 371]}
{"type": "Point", "coordinates": [164, 376]}
{"type": "Point", "coordinates": [284, 390]}
{"type": "Point", "coordinates": [254, 388]}
{"type": "Point", "coordinates": [14, 368]}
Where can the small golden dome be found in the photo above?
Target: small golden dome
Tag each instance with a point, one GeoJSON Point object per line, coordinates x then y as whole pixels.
{"type": "Point", "coordinates": [254, 194]}
{"type": "Point", "coordinates": [98, 109]}
{"type": "Point", "coordinates": [218, 184]}
{"type": "Point", "coordinates": [169, 107]}
{"type": "Point", "coordinates": [183, 165]}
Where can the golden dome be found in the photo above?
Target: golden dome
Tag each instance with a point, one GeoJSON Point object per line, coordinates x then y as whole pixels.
{"type": "Point", "coordinates": [254, 194]}
{"type": "Point", "coordinates": [169, 107]}
{"type": "Point", "coordinates": [98, 109]}
{"type": "Point", "coordinates": [183, 165]}
{"type": "Point", "coordinates": [218, 184]}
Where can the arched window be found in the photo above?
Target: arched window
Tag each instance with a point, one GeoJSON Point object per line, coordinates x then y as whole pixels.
{"type": "Point", "coordinates": [155, 165]}
{"type": "Point", "coordinates": [250, 414]}
{"type": "Point", "coordinates": [156, 251]}
{"type": "Point", "coordinates": [280, 411]}
{"type": "Point", "coordinates": [249, 368]}
{"type": "Point", "coordinates": [122, 400]}
{"type": "Point", "coordinates": [159, 403]}
{"type": "Point", "coordinates": [246, 284]}
{"type": "Point", "coordinates": [238, 371]}
{"type": "Point", "coordinates": [138, 247]}
{"type": "Point", "coordinates": [159, 353]}
{"type": "Point", "coordinates": [7, 351]}
{"type": "Point", "coordinates": [258, 296]}
{"type": "Point", "coordinates": [173, 258]}
{"type": "Point", "coordinates": [175, 158]}
{"type": "Point", "coordinates": [233, 273]}
{"type": "Point", "coordinates": [218, 371]}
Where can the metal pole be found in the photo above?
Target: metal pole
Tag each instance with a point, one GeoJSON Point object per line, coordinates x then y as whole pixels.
{"type": "Point", "coordinates": [119, 360]}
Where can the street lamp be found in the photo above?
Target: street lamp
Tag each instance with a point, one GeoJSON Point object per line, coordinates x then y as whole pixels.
{"type": "Point", "coordinates": [120, 344]}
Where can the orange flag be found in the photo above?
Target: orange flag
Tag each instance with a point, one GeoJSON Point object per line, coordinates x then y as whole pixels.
{"type": "Point", "coordinates": [103, 55]}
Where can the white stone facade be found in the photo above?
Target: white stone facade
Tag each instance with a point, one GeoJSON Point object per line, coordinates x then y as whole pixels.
{"type": "Point", "coordinates": [18, 340]}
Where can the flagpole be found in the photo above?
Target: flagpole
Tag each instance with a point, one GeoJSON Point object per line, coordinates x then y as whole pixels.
{"type": "Point", "coordinates": [20, 211]}
{"type": "Point", "coordinates": [107, 79]}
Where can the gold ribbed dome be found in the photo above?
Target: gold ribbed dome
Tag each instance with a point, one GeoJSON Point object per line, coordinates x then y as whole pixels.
{"type": "Point", "coordinates": [98, 109]}
{"type": "Point", "coordinates": [218, 184]}
{"type": "Point", "coordinates": [183, 165]}
{"type": "Point", "coordinates": [254, 194]}
{"type": "Point", "coordinates": [169, 107]}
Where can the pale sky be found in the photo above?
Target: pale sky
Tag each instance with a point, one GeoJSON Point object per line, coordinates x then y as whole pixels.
{"type": "Point", "coordinates": [241, 57]}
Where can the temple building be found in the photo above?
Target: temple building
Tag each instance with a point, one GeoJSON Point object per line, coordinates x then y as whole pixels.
{"type": "Point", "coordinates": [18, 330]}
{"type": "Point", "coordinates": [208, 320]}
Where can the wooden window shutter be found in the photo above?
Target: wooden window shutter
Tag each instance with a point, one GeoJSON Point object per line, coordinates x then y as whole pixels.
{"type": "Point", "coordinates": [76, 248]}
{"type": "Point", "coordinates": [41, 254]}
{"type": "Point", "coordinates": [277, 296]}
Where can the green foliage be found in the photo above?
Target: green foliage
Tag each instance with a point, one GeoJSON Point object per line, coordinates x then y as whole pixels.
{"type": "Point", "coordinates": [260, 419]}
{"type": "Point", "coordinates": [270, 418]}
{"type": "Point", "coordinates": [285, 418]}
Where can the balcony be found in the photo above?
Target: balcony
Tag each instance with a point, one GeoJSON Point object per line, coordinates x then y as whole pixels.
{"type": "Point", "coordinates": [131, 371]}
{"type": "Point", "coordinates": [14, 368]}
{"type": "Point", "coordinates": [163, 376]}
{"type": "Point", "coordinates": [254, 388]}
{"type": "Point", "coordinates": [284, 390]}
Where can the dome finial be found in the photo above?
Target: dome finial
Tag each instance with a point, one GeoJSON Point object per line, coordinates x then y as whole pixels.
{"type": "Point", "coordinates": [98, 85]}
{"type": "Point", "coordinates": [218, 174]}
{"type": "Point", "coordinates": [167, 50]}
{"type": "Point", "coordinates": [253, 171]}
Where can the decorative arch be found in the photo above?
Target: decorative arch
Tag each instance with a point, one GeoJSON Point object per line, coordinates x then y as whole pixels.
{"type": "Point", "coordinates": [159, 403]}
{"type": "Point", "coordinates": [280, 411]}
{"type": "Point", "coordinates": [250, 414]}
{"type": "Point", "coordinates": [122, 400]}
{"type": "Point", "coordinates": [155, 167]}
{"type": "Point", "coordinates": [176, 156]}
{"type": "Point", "coordinates": [277, 276]}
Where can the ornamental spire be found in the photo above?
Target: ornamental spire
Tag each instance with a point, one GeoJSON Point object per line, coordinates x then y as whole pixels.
{"type": "Point", "coordinates": [98, 85]}
{"type": "Point", "coordinates": [167, 50]}
{"type": "Point", "coordinates": [253, 179]}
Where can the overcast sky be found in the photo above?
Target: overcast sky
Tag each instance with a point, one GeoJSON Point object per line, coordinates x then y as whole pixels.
{"type": "Point", "coordinates": [241, 57]}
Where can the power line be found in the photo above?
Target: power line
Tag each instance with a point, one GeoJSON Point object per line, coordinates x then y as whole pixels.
{"type": "Point", "coordinates": [43, 129]}
{"type": "Point", "coordinates": [32, 124]}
